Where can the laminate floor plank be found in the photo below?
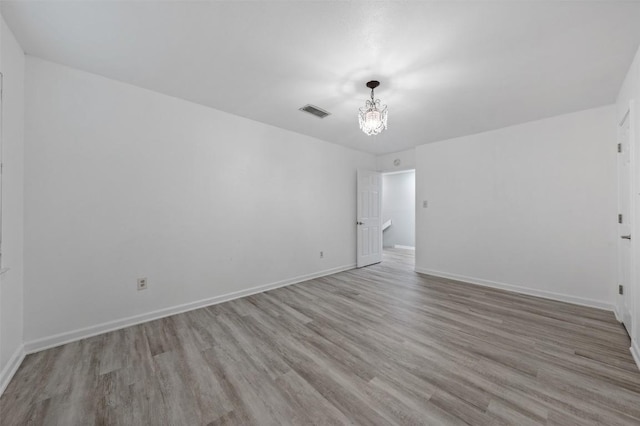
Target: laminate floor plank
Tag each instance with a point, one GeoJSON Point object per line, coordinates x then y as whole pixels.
{"type": "Point", "coordinates": [380, 345]}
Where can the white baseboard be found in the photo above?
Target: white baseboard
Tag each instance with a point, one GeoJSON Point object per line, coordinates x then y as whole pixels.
{"type": "Point", "coordinates": [404, 247]}
{"type": "Point", "coordinates": [523, 290]}
{"type": "Point", "coordinates": [82, 333]}
{"type": "Point", "coordinates": [635, 352]}
{"type": "Point", "coordinates": [617, 313]}
{"type": "Point", "coordinates": [10, 369]}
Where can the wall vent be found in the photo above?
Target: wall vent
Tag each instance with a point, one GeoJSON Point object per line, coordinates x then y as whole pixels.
{"type": "Point", "coordinates": [314, 110]}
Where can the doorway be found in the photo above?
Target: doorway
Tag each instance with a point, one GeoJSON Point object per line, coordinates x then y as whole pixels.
{"type": "Point", "coordinates": [399, 214]}
{"type": "Point", "coordinates": [386, 217]}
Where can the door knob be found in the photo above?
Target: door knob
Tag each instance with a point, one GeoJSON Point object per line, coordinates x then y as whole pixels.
{"type": "Point", "coordinates": [359, 223]}
{"type": "Point", "coordinates": [625, 237]}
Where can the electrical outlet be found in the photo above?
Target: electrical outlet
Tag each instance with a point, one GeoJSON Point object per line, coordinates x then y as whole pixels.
{"type": "Point", "coordinates": [321, 254]}
{"type": "Point", "coordinates": [142, 284]}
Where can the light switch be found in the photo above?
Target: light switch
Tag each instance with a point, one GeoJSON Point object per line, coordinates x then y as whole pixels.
{"type": "Point", "coordinates": [424, 204]}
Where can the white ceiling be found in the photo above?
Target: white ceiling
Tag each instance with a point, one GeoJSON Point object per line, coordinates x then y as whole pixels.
{"type": "Point", "coordinates": [447, 68]}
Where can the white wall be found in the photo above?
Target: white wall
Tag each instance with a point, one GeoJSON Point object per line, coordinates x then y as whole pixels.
{"type": "Point", "coordinates": [11, 280]}
{"type": "Point", "coordinates": [399, 205]}
{"type": "Point", "coordinates": [530, 207]}
{"type": "Point", "coordinates": [122, 182]}
{"type": "Point", "coordinates": [385, 163]}
{"type": "Point", "coordinates": [630, 92]}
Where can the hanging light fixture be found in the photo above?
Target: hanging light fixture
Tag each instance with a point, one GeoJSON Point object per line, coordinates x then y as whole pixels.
{"type": "Point", "coordinates": [373, 116]}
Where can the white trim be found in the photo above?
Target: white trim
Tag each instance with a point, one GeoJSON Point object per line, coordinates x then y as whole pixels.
{"type": "Point", "coordinates": [398, 172]}
{"type": "Point", "coordinates": [634, 278]}
{"type": "Point", "coordinates": [404, 247]}
{"type": "Point", "coordinates": [616, 312]}
{"type": "Point", "coordinates": [82, 333]}
{"type": "Point", "coordinates": [635, 352]}
{"type": "Point", "coordinates": [523, 290]}
{"type": "Point", "coordinates": [10, 369]}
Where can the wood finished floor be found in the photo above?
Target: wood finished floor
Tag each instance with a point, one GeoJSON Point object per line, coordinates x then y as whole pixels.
{"type": "Point", "coordinates": [379, 345]}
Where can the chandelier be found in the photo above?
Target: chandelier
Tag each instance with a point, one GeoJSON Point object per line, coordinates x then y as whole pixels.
{"type": "Point", "coordinates": [373, 116]}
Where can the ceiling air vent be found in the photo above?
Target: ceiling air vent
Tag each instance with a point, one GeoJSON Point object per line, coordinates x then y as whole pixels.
{"type": "Point", "coordinates": [314, 110]}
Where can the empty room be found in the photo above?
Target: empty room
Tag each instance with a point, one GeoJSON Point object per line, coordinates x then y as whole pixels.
{"type": "Point", "coordinates": [319, 212]}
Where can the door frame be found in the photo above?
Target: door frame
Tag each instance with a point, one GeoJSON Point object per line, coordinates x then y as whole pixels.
{"type": "Point", "coordinates": [635, 225]}
{"type": "Point", "coordinates": [415, 201]}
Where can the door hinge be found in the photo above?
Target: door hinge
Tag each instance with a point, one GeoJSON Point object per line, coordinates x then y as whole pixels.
{"type": "Point", "coordinates": [620, 218]}
{"type": "Point", "coordinates": [620, 289]}
{"type": "Point", "coordinates": [619, 147]}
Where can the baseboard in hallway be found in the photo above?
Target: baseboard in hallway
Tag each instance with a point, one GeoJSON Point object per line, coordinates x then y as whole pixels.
{"type": "Point", "coordinates": [398, 246]}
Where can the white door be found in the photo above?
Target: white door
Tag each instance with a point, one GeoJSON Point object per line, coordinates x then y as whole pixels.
{"type": "Point", "coordinates": [369, 220]}
{"type": "Point", "coordinates": [625, 289]}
